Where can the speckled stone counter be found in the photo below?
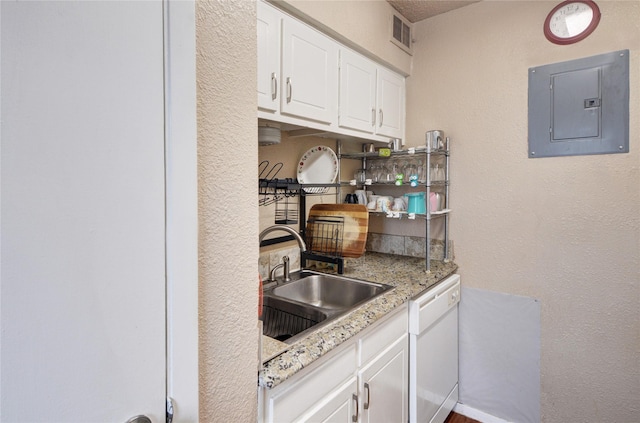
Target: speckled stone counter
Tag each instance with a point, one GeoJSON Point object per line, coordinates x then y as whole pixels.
{"type": "Point", "coordinates": [406, 274]}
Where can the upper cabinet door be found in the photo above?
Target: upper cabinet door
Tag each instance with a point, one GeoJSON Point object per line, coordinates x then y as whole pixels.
{"type": "Point", "coordinates": [357, 92]}
{"type": "Point", "coordinates": [268, 57]}
{"type": "Point", "coordinates": [371, 97]}
{"type": "Point", "coordinates": [298, 75]}
{"type": "Point", "coordinates": [309, 73]}
{"type": "Point", "coordinates": [391, 98]}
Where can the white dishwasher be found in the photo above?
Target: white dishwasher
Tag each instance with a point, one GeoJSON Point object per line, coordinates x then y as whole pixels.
{"type": "Point", "coordinates": [433, 352]}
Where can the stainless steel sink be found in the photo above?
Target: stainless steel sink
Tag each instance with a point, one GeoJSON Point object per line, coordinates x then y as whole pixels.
{"type": "Point", "coordinates": [282, 319]}
{"type": "Point", "coordinates": [310, 301]}
{"type": "Point", "coordinates": [328, 291]}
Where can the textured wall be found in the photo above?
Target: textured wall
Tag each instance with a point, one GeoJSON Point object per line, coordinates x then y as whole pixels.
{"type": "Point", "coordinates": [563, 230]}
{"type": "Point", "coordinates": [227, 166]}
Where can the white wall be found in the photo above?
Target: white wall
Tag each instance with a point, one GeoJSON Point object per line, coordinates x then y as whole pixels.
{"type": "Point", "coordinates": [565, 230]}
{"type": "Point", "coordinates": [228, 194]}
{"type": "Point", "coordinates": [499, 378]}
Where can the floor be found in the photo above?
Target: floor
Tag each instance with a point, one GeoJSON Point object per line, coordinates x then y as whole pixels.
{"type": "Point", "coordinates": [459, 418]}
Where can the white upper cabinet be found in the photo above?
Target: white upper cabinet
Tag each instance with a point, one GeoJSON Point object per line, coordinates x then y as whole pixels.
{"type": "Point", "coordinates": [309, 73]}
{"type": "Point", "coordinates": [357, 92]}
{"type": "Point", "coordinates": [371, 96]}
{"type": "Point", "coordinates": [301, 82]}
{"type": "Point", "coordinates": [390, 95]}
{"type": "Point", "coordinates": [268, 57]}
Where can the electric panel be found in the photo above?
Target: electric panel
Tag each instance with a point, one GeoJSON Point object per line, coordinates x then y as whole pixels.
{"type": "Point", "coordinates": [580, 106]}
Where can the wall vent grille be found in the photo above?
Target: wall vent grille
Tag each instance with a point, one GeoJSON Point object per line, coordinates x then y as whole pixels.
{"type": "Point", "coordinates": [401, 31]}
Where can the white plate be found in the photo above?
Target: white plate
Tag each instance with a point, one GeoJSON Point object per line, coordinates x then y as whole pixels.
{"type": "Point", "coordinates": [319, 165]}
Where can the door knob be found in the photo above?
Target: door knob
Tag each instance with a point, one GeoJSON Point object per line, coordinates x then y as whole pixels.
{"type": "Point", "coordinates": [139, 419]}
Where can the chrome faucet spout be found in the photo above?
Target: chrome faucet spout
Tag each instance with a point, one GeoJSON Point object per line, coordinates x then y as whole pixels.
{"type": "Point", "coordinates": [285, 270]}
{"type": "Point", "coordinates": [288, 229]}
{"type": "Point", "coordinates": [285, 259]}
{"type": "Point", "coordinates": [272, 274]}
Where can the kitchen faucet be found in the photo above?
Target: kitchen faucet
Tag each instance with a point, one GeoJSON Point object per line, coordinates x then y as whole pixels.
{"type": "Point", "coordinates": [285, 259]}
{"type": "Point", "coordinates": [285, 270]}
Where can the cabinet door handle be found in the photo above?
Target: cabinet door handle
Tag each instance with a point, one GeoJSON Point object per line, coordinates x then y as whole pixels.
{"type": "Point", "coordinates": [354, 418]}
{"type": "Point", "coordinates": [274, 86]}
{"type": "Point", "coordinates": [366, 403]}
{"type": "Point", "coordinates": [289, 90]}
{"type": "Point", "coordinates": [373, 117]}
{"type": "Point", "coordinates": [381, 118]}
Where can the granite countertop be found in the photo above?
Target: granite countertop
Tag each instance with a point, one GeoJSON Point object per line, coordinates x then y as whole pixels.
{"type": "Point", "coordinates": [406, 274]}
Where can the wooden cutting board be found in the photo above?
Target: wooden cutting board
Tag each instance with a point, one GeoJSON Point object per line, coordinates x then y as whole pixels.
{"type": "Point", "coordinates": [354, 232]}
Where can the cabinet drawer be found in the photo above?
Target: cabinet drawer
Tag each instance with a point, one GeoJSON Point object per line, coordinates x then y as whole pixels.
{"type": "Point", "coordinates": [429, 307]}
{"type": "Point", "coordinates": [383, 334]}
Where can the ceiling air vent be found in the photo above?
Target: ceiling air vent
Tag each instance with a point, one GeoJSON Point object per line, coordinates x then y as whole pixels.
{"type": "Point", "coordinates": [401, 33]}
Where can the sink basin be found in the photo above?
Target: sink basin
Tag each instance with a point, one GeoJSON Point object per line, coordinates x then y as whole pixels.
{"type": "Point", "coordinates": [329, 291]}
{"type": "Point", "coordinates": [282, 319]}
{"type": "Point", "coordinates": [310, 301]}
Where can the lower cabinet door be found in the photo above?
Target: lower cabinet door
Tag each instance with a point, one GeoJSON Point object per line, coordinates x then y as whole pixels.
{"type": "Point", "coordinates": [336, 389]}
{"type": "Point", "coordinates": [341, 406]}
{"type": "Point", "coordinates": [299, 398]}
{"type": "Point", "coordinates": [384, 385]}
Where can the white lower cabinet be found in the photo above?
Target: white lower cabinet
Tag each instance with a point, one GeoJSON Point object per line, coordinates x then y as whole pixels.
{"type": "Point", "coordinates": [384, 386]}
{"type": "Point", "coordinates": [364, 380]}
{"type": "Point", "coordinates": [311, 389]}
{"type": "Point", "coordinates": [339, 406]}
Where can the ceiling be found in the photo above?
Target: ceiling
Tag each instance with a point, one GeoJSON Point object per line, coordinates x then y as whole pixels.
{"type": "Point", "coordinates": [417, 10]}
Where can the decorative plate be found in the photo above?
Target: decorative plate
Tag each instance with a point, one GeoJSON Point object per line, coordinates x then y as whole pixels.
{"type": "Point", "coordinates": [319, 165]}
